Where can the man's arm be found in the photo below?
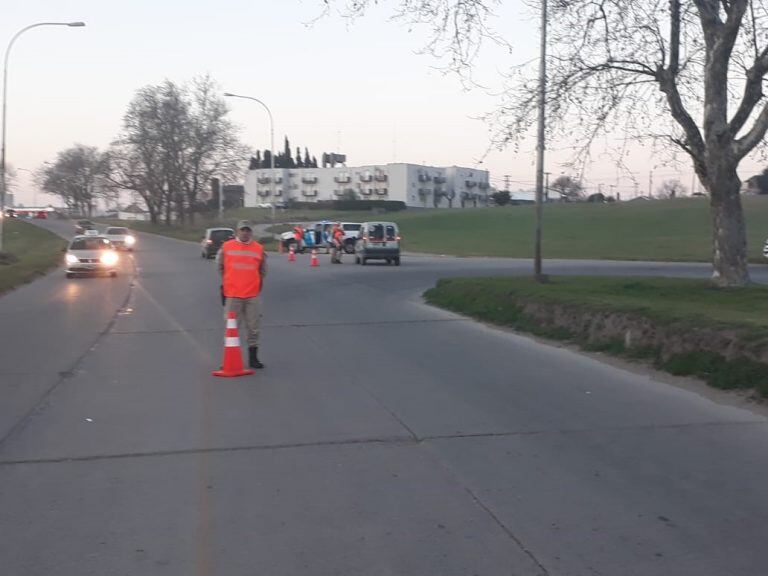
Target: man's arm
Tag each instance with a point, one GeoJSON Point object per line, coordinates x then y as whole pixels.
{"type": "Point", "coordinates": [220, 261]}
{"type": "Point", "coordinates": [263, 266]}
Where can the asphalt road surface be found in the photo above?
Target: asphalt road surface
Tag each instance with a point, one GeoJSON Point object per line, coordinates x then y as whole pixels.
{"type": "Point", "coordinates": [384, 437]}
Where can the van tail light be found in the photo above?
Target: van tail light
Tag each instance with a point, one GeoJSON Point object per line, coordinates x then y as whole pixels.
{"type": "Point", "coordinates": [399, 238]}
{"type": "Point", "coordinates": [209, 241]}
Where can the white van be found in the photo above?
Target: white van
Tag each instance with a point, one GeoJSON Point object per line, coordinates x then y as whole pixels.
{"type": "Point", "coordinates": [378, 241]}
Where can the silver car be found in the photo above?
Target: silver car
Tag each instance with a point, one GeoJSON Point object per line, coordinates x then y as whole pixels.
{"type": "Point", "coordinates": [121, 238]}
{"type": "Point", "coordinates": [91, 255]}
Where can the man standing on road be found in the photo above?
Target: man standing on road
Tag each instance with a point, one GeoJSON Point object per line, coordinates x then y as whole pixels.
{"type": "Point", "coordinates": [243, 266]}
{"type": "Point", "coordinates": [337, 242]}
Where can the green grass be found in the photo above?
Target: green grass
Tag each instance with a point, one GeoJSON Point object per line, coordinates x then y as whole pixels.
{"type": "Point", "coordinates": [683, 302]}
{"type": "Point", "coordinates": [669, 230]}
{"type": "Point", "coordinates": [191, 233]}
{"type": "Point", "coordinates": [34, 249]}
{"type": "Point", "coordinates": [662, 299]}
{"type": "Point", "coordinates": [664, 230]}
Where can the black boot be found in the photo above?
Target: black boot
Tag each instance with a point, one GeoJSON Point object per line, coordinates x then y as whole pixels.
{"type": "Point", "coordinates": [253, 357]}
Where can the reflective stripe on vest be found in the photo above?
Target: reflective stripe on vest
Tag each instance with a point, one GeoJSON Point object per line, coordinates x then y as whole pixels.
{"type": "Point", "coordinates": [242, 268]}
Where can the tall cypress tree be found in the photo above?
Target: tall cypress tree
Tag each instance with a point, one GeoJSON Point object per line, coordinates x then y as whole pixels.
{"type": "Point", "coordinates": [307, 160]}
{"type": "Point", "coordinates": [287, 159]}
{"type": "Point", "coordinates": [299, 161]}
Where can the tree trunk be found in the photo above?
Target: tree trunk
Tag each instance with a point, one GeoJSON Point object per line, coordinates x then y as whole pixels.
{"type": "Point", "coordinates": [729, 237]}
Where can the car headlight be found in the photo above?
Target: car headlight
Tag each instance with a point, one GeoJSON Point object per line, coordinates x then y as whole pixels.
{"type": "Point", "coordinates": [71, 259]}
{"type": "Point", "coordinates": [130, 240]}
{"type": "Point", "coordinates": [109, 258]}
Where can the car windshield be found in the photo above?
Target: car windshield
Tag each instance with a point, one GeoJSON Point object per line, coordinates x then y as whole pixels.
{"type": "Point", "coordinates": [90, 244]}
{"type": "Point", "coordinates": [351, 227]}
{"type": "Point", "coordinates": [117, 231]}
{"type": "Point", "coordinates": [220, 235]}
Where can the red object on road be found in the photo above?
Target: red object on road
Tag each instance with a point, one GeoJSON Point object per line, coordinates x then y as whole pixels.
{"type": "Point", "coordinates": [291, 254]}
{"type": "Point", "coordinates": [315, 261]}
{"type": "Point", "coordinates": [232, 364]}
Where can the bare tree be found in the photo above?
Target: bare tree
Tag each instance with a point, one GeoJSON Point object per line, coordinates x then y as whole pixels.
{"type": "Point", "coordinates": [671, 189]}
{"type": "Point", "coordinates": [689, 74]}
{"type": "Point", "coordinates": [174, 140]}
{"type": "Point", "coordinates": [570, 189]}
{"type": "Point", "coordinates": [76, 177]}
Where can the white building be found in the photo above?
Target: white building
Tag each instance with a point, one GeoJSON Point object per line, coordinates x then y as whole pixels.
{"type": "Point", "coordinates": [133, 212]}
{"type": "Point", "coordinates": [417, 186]}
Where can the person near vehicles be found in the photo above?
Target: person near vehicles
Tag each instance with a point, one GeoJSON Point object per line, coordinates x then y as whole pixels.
{"type": "Point", "coordinates": [298, 234]}
{"type": "Point", "coordinates": [337, 243]}
{"type": "Point", "coordinates": [242, 263]}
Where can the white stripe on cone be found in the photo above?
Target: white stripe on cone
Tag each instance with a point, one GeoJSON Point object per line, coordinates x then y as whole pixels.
{"type": "Point", "coordinates": [232, 342]}
{"type": "Point", "coordinates": [231, 323]}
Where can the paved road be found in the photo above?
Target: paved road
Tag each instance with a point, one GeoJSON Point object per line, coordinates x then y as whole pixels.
{"type": "Point", "coordinates": [384, 437]}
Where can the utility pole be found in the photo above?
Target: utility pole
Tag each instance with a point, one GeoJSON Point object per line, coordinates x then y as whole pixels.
{"type": "Point", "coordinates": [221, 199]}
{"type": "Point", "coordinates": [538, 276]}
{"type": "Point", "coordinates": [546, 187]}
{"type": "Point", "coordinates": [506, 182]}
{"type": "Point", "coordinates": [650, 184]}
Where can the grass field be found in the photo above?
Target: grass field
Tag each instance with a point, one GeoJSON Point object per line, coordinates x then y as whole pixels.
{"type": "Point", "coordinates": [37, 251]}
{"type": "Point", "coordinates": [665, 230]}
{"type": "Point", "coordinates": [664, 300]}
{"type": "Point", "coordinates": [689, 304]}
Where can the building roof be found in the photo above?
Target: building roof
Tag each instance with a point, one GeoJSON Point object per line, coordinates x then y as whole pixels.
{"type": "Point", "coordinates": [134, 209]}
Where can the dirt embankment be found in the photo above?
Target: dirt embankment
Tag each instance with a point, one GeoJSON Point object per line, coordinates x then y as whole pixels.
{"type": "Point", "coordinates": [638, 332]}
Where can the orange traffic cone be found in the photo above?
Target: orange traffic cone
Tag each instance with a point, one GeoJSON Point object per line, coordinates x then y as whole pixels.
{"type": "Point", "coordinates": [279, 246]}
{"type": "Point", "coordinates": [314, 261]}
{"type": "Point", "coordinates": [291, 254]}
{"type": "Point", "coordinates": [233, 358]}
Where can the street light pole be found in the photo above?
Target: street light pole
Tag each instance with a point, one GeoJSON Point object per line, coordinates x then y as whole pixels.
{"type": "Point", "coordinates": [271, 142]}
{"type": "Point", "coordinates": [3, 180]}
{"type": "Point", "coordinates": [538, 276]}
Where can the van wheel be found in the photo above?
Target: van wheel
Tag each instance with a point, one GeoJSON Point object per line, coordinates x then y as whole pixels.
{"type": "Point", "coordinates": [349, 247]}
{"type": "Point", "coordinates": [362, 261]}
{"type": "Point", "coordinates": [70, 275]}
{"type": "Point", "coordinates": [389, 261]}
{"type": "Point", "coordinates": [397, 261]}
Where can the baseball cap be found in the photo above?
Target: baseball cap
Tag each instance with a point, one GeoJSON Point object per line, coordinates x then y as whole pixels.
{"type": "Point", "coordinates": [244, 224]}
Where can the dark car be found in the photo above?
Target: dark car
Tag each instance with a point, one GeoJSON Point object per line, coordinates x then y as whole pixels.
{"type": "Point", "coordinates": [213, 239]}
{"type": "Point", "coordinates": [82, 225]}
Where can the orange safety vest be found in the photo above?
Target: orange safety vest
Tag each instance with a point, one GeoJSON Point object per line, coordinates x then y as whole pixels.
{"type": "Point", "coordinates": [242, 268]}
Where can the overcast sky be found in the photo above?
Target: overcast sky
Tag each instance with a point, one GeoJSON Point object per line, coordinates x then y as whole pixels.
{"type": "Point", "coordinates": [360, 88]}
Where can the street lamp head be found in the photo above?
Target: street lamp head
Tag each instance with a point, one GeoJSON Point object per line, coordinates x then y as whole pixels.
{"type": "Point", "coordinates": [228, 94]}
{"type": "Point", "coordinates": [76, 24]}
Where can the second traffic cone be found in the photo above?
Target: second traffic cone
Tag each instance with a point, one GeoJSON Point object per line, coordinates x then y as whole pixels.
{"type": "Point", "coordinates": [291, 254]}
{"type": "Point", "coordinates": [314, 261]}
{"type": "Point", "coordinates": [232, 364]}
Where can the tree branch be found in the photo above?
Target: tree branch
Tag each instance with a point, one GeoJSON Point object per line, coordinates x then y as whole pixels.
{"type": "Point", "coordinates": [744, 146]}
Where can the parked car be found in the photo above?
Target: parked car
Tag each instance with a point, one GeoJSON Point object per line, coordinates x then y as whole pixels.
{"type": "Point", "coordinates": [351, 230]}
{"type": "Point", "coordinates": [765, 249]}
{"type": "Point", "coordinates": [213, 239]}
{"type": "Point", "coordinates": [91, 254]}
{"type": "Point", "coordinates": [316, 235]}
{"type": "Point", "coordinates": [121, 238]}
{"type": "Point", "coordinates": [378, 241]}
{"type": "Point", "coordinates": [41, 214]}
{"type": "Point", "coordinates": [82, 225]}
